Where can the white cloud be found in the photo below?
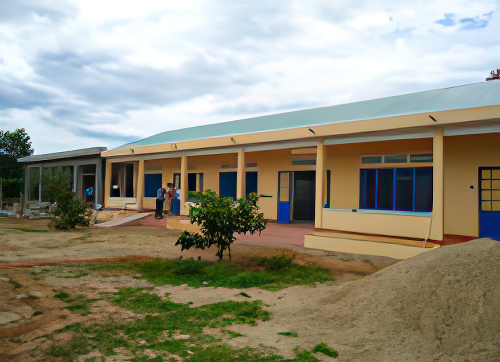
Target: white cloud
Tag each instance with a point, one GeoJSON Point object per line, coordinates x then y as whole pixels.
{"type": "Point", "coordinates": [93, 73]}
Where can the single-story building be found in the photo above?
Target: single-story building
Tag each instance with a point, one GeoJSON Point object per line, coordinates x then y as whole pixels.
{"type": "Point", "coordinates": [382, 176]}
{"type": "Point", "coordinates": [85, 169]}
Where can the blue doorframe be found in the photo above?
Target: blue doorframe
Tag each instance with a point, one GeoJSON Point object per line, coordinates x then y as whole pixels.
{"type": "Point", "coordinates": [489, 202]}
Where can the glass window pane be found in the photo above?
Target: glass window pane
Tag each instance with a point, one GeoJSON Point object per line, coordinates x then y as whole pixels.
{"type": "Point", "coordinates": [485, 174]}
{"type": "Point", "coordinates": [284, 186]}
{"type": "Point", "coordinates": [421, 158]}
{"type": "Point", "coordinates": [34, 177]}
{"type": "Point", "coordinates": [495, 174]}
{"type": "Point", "coordinates": [495, 206]}
{"type": "Point", "coordinates": [495, 195]}
{"type": "Point", "coordinates": [129, 180]}
{"type": "Point", "coordinates": [396, 159]}
{"type": "Point", "coordinates": [371, 159]}
{"type": "Point", "coordinates": [385, 178]}
{"type": "Point", "coordinates": [485, 185]}
{"type": "Point", "coordinates": [404, 189]}
{"type": "Point", "coordinates": [495, 184]}
{"type": "Point", "coordinates": [423, 189]}
{"type": "Point", "coordinates": [485, 195]}
{"type": "Point", "coordinates": [115, 180]}
{"type": "Point", "coordinates": [367, 189]}
{"type": "Point", "coordinates": [486, 206]}
{"type": "Point", "coordinates": [191, 182]}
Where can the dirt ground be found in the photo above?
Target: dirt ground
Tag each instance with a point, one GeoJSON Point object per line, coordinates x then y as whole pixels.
{"type": "Point", "coordinates": [31, 255]}
{"type": "Point", "coordinates": [438, 306]}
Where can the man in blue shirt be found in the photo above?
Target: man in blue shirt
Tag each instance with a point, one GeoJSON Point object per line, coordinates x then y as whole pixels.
{"type": "Point", "coordinates": [160, 199]}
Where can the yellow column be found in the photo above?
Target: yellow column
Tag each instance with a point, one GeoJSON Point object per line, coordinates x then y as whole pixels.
{"type": "Point", "coordinates": [320, 184]}
{"type": "Point", "coordinates": [107, 182]}
{"type": "Point", "coordinates": [437, 226]}
{"type": "Point", "coordinates": [240, 176]}
{"type": "Point", "coordinates": [184, 185]}
{"type": "Point", "coordinates": [140, 184]}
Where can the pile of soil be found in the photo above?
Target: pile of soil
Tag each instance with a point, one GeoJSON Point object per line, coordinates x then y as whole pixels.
{"type": "Point", "coordinates": [443, 305]}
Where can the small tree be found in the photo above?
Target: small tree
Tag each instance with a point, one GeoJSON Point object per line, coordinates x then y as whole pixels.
{"type": "Point", "coordinates": [69, 211]}
{"type": "Point", "coordinates": [16, 144]}
{"type": "Point", "coordinates": [220, 218]}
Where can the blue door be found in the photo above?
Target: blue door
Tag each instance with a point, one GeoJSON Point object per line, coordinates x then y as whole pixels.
{"type": "Point", "coordinates": [250, 182]}
{"type": "Point", "coordinates": [227, 184]}
{"type": "Point", "coordinates": [489, 202]}
{"type": "Point", "coordinates": [284, 196]}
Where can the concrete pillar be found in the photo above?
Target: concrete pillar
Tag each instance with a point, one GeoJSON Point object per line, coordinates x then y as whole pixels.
{"type": "Point", "coordinates": [437, 226]}
{"type": "Point", "coordinates": [320, 184]}
{"type": "Point", "coordinates": [75, 179]}
{"type": "Point", "coordinates": [240, 177]}
{"type": "Point", "coordinates": [107, 182]}
{"type": "Point", "coordinates": [40, 184]}
{"type": "Point", "coordinates": [184, 185]}
{"type": "Point", "coordinates": [140, 184]}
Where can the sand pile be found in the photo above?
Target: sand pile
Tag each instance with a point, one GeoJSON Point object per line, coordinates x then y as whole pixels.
{"type": "Point", "coordinates": [443, 305]}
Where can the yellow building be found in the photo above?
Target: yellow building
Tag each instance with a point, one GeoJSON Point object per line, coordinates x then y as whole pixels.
{"type": "Point", "coordinates": [377, 177]}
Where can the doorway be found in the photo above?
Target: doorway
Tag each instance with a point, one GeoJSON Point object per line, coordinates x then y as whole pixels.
{"type": "Point", "coordinates": [296, 195]}
{"type": "Point", "coordinates": [489, 202]}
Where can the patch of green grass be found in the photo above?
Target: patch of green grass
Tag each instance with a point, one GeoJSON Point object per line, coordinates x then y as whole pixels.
{"type": "Point", "coordinates": [243, 294]}
{"type": "Point", "coordinates": [163, 320]}
{"type": "Point", "coordinates": [78, 304]}
{"type": "Point", "coordinates": [273, 273]}
{"type": "Point", "coordinates": [15, 284]}
{"type": "Point", "coordinates": [232, 334]}
{"type": "Point", "coordinates": [326, 350]}
{"type": "Point", "coordinates": [29, 230]}
{"type": "Point", "coordinates": [288, 334]}
{"type": "Point", "coordinates": [72, 274]}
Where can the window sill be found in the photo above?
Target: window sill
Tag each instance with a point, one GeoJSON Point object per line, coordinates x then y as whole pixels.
{"type": "Point", "coordinates": [387, 212]}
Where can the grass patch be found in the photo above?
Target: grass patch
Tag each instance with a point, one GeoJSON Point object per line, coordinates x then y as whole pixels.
{"type": "Point", "coordinates": [15, 284]}
{"type": "Point", "coordinates": [270, 273]}
{"type": "Point", "coordinates": [162, 321]}
{"type": "Point", "coordinates": [288, 334]}
{"type": "Point", "coordinates": [243, 294]}
{"type": "Point", "coordinates": [29, 230]}
{"type": "Point", "coordinates": [323, 348]}
{"type": "Point", "coordinates": [78, 304]}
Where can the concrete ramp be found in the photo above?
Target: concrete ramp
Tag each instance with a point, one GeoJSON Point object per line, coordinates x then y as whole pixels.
{"type": "Point", "coordinates": [123, 220]}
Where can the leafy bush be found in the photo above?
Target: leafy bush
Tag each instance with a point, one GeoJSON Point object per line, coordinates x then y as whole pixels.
{"type": "Point", "coordinates": [219, 219]}
{"type": "Point", "coordinates": [69, 211]}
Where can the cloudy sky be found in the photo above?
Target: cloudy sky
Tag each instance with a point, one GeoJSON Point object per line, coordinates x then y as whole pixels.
{"type": "Point", "coordinates": [87, 73]}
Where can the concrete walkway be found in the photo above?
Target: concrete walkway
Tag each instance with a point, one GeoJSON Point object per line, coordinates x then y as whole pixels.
{"type": "Point", "coordinates": [123, 220]}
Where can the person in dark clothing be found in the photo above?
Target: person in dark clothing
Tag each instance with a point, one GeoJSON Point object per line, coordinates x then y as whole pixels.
{"type": "Point", "coordinates": [160, 199]}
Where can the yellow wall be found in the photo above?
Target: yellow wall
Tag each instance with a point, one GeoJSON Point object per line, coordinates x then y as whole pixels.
{"type": "Point", "coordinates": [463, 155]}
{"type": "Point", "coordinates": [268, 165]}
{"type": "Point", "coordinates": [344, 161]}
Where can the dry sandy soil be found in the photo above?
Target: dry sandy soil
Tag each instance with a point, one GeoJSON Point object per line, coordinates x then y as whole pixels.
{"type": "Point", "coordinates": [443, 305]}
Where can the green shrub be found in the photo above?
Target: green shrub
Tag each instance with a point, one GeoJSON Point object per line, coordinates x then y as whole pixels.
{"type": "Point", "coordinates": [69, 211]}
{"type": "Point", "coordinates": [219, 219]}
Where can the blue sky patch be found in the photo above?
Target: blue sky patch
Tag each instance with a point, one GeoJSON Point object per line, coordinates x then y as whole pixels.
{"type": "Point", "coordinates": [449, 20]}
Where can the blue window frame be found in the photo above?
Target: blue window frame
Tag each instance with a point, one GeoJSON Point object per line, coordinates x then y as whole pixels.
{"type": "Point", "coordinates": [399, 189]}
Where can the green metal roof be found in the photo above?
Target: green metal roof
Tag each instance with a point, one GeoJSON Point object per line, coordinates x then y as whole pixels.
{"type": "Point", "coordinates": [85, 152]}
{"type": "Point", "coordinates": [461, 97]}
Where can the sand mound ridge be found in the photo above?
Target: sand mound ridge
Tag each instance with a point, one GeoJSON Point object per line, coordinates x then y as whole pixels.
{"type": "Point", "coordinates": [443, 305]}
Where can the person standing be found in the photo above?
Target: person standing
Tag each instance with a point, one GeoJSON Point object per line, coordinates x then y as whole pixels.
{"type": "Point", "coordinates": [160, 199]}
{"type": "Point", "coordinates": [169, 196]}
